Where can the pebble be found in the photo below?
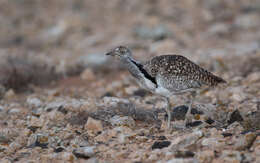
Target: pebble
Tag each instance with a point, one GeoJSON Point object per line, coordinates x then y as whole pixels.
{"type": "Point", "coordinates": [2, 91]}
{"type": "Point", "coordinates": [159, 32]}
{"type": "Point", "coordinates": [37, 112]}
{"type": "Point", "coordinates": [14, 111]}
{"type": "Point", "coordinates": [5, 160]}
{"type": "Point", "coordinates": [235, 128]}
{"type": "Point", "coordinates": [183, 160]}
{"type": "Point", "coordinates": [14, 146]}
{"type": "Point", "coordinates": [87, 74]}
{"type": "Point", "coordinates": [140, 92]}
{"type": "Point", "coordinates": [213, 143]}
{"type": "Point", "coordinates": [92, 160]}
{"type": "Point", "coordinates": [123, 138]}
{"type": "Point", "coordinates": [230, 156]}
{"type": "Point", "coordinates": [56, 115]}
{"type": "Point", "coordinates": [1, 108]}
{"type": "Point", "coordinates": [202, 112]}
{"type": "Point", "coordinates": [92, 60]}
{"type": "Point", "coordinates": [130, 90]}
{"type": "Point", "coordinates": [238, 94]}
{"type": "Point", "coordinates": [123, 129]}
{"type": "Point", "coordinates": [122, 121]}
{"type": "Point", "coordinates": [55, 105]}
{"type": "Point", "coordinates": [253, 77]}
{"type": "Point", "coordinates": [124, 134]}
{"type": "Point", "coordinates": [10, 94]}
{"type": "Point", "coordinates": [54, 33]}
{"type": "Point", "coordinates": [4, 139]}
{"type": "Point", "coordinates": [114, 101]}
{"type": "Point", "coordinates": [245, 141]}
{"type": "Point", "coordinates": [247, 21]}
{"type": "Point", "coordinates": [34, 122]}
{"type": "Point", "coordinates": [183, 154]}
{"type": "Point", "coordinates": [153, 157]}
{"type": "Point", "coordinates": [251, 122]}
{"type": "Point", "coordinates": [68, 157]}
{"type": "Point", "coordinates": [247, 157]}
{"type": "Point", "coordinates": [179, 112]}
{"type": "Point", "coordinates": [235, 116]}
{"type": "Point", "coordinates": [38, 140]}
{"type": "Point", "coordinates": [163, 46]}
{"type": "Point", "coordinates": [219, 29]}
{"type": "Point", "coordinates": [205, 156]}
{"type": "Point", "coordinates": [184, 141]}
{"type": "Point", "coordinates": [93, 125]}
{"type": "Point", "coordinates": [106, 135]}
{"type": "Point", "coordinates": [34, 102]}
{"type": "Point", "coordinates": [3, 148]}
{"type": "Point", "coordinates": [80, 141]}
{"type": "Point", "coordinates": [85, 152]}
{"type": "Point", "coordinates": [160, 144]}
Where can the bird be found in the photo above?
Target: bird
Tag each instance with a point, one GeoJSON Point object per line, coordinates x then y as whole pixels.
{"type": "Point", "coordinates": [167, 75]}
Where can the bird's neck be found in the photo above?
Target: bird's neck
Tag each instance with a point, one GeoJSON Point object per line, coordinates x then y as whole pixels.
{"type": "Point", "coordinates": [138, 71]}
{"type": "Point", "coordinates": [132, 67]}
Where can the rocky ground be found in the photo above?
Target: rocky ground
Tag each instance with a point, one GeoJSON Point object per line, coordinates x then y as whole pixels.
{"type": "Point", "coordinates": [62, 100]}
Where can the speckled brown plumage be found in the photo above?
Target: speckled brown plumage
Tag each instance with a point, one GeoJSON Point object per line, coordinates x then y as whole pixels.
{"type": "Point", "coordinates": [166, 75]}
{"type": "Point", "coordinates": [179, 73]}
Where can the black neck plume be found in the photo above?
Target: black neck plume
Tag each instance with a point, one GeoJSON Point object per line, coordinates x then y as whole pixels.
{"type": "Point", "coordinates": [144, 72]}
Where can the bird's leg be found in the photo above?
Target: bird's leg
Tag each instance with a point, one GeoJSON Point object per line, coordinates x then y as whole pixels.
{"type": "Point", "coordinates": [188, 117]}
{"type": "Point", "coordinates": [168, 107]}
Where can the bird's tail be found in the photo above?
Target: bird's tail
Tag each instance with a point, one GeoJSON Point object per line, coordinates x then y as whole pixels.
{"type": "Point", "coordinates": [215, 80]}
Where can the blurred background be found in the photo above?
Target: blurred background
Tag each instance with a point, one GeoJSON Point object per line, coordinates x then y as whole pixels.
{"type": "Point", "coordinates": [65, 37]}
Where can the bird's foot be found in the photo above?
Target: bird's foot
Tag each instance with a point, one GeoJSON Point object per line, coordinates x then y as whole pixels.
{"type": "Point", "coordinates": [168, 123]}
{"type": "Point", "coordinates": [188, 119]}
{"type": "Point", "coordinates": [166, 127]}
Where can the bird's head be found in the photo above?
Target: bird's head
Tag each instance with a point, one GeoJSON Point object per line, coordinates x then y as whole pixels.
{"type": "Point", "coordinates": [121, 52]}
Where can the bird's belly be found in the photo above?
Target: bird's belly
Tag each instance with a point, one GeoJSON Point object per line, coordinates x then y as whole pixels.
{"type": "Point", "coordinates": [167, 93]}
{"type": "Point", "coordinates": [146, 84]}
{"type": "Point", "coordinates": [163, 91]}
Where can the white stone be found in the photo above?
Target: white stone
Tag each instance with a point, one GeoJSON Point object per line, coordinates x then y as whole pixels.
{"type": "Point", "coordinates": [34, 102]}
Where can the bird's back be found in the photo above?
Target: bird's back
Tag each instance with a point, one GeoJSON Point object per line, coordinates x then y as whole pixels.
{"type": "Point", "coordinates": [178, 73]}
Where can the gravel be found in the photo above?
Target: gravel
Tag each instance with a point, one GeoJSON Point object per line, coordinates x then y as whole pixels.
{"type": "Point", "coordinates": [63, 100]}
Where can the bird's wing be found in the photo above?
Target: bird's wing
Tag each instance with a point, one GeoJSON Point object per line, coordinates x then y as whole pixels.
{"type": "Point", "coordinates": [176, 72]}
{"type": "Point", "coordinates": [177, 83]}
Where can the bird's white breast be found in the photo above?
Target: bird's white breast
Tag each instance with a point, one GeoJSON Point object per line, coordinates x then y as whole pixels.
{"type": "Point", "coordinates": [162, 91]}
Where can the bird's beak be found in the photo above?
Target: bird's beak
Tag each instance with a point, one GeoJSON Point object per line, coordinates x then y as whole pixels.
{"type": "Point", "coordinates": [109, 53]}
